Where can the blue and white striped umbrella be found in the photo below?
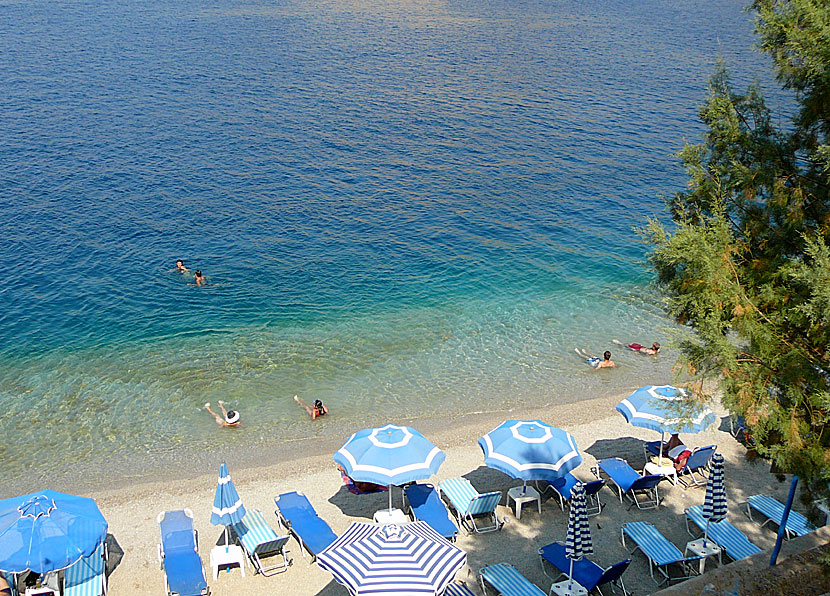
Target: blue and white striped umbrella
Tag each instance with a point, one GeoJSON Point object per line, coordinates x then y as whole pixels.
{"type": "Point", "coordinates": [391, 559]}
{"type": "Point", "coordinates": [389, 455]}
{"type": "Point", "coordinates": [530, 450]}
{"type": "Point", "coordinates": [227, 506]}
{"type": "Point", "coordinates": [714, 504]}
{"type": "Point", "coordinates": [578, 542]}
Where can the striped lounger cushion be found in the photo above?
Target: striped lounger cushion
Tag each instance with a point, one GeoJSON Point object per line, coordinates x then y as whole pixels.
{"type": "Point", "coordinates": [653, 544]}
{"type": "Point", "coordinates": [507, 581]}
{"type": "Point", "coordinates": [456, 589]}
{"type": "Point", "coordinates": [254, 531]}
{"type": "Point", "coordinates": [725, 535]}
{"type": "Point", "coordinates": [774, 510]}
{"type": "Point", "coordinates": [86, 577]}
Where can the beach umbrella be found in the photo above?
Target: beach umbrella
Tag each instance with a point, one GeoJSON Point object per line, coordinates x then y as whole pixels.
{"type": "Point", "coordinates": [530, 450]}
{"type": "Point", "coordinates": [665, 409]}
{"type": "Point", "coordinates": [392, 559]}
{"type": "Point", "coordinates": [47, 531]}
{"type": "Point", "coordinates": [227, 506]}
{"type": "Point", "coordinates": [578, 542]}
{"type": "Point", "coordinates": [389, 455]}
{"type": "Point", "coordinates": [714, 503]}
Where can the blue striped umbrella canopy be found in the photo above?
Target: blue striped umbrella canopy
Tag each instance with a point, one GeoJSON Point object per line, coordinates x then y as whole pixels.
{"type": "Point", "coordinates": [714, 504]}
{"type": "Point", "coordinates": [530, 450]}
{"type": "Point", "coordinates": [391, 559]}
{"type": "Point", "coordinates": [578, 542]}
{"type": "Point", "coordinates": [47, 531]}
{"type": "Point", "coordinates": [227, 506]}
{"type": "Point", "coordinates": [390, 455]}
{"type": "Point", "coordinates": [665, 409]}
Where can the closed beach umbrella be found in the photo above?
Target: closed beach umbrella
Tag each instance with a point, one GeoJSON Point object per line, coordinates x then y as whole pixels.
{"type": "Point", "coordinates": [227, 506]}
{"type": "Point", "coordinates": [714, 504]}
{"type": "Point", "coordinates": [47, 531]}
{"type": "Point", "coordinates": [389, 455]}
{"type": "Point", "coordinates": [530, 450]}
{"type": "Point", "coordinates": [391, 559]}
{"type": "Point", "coordinates": [665, 409]}
{"type": "Point", "coordinates": [578, 542]}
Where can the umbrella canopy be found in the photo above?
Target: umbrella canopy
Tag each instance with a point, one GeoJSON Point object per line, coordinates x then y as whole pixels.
{"type": "Point", "coordinates": [578, 542]}
{"type": "Point", "coordinates": [530, 450]}
{"type": "Point", "coordinates": [390, 559]}
{"type": "Point", "coordinates": [227, 506]}
{"type": "Point", "coordinates": [47, 531]}
{"type": "Point", "coordinates": [714, 504]}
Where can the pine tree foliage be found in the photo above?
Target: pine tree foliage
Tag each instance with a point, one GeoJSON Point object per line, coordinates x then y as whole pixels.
{"type": "Point", "coordinates": [747, 265]}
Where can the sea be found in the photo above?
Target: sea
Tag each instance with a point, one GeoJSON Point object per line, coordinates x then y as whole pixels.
{"type": "Point", "coordinates": [409, 209]}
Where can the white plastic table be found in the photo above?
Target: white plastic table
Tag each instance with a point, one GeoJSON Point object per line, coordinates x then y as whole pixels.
{"type": "Point", "coordinates": [390, 516]}
{"type": "Point", "coordinates": [667, 471]}
{"type": "Point", "coordinates": [710, 549]}
{"type": "Point", "coordinates": [40, 591]}
{"type": "Point", "coordinates": [561, 589]}
{"type": "Point", "coordinates": [223, 556]}
{"type": "Point", "coordinates": [522, 495]}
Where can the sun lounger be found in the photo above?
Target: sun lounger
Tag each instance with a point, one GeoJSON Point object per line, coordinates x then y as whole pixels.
{"type": "Point", "coordinates": [259, 540]}
{"type": "Point", "coordinates": [458, 589]}
{"type": "Point", "coordinates": [562, 488]}
{"type": "Point", "coordinates": [309, 529]}
{"type": "Point", "coordinates": [629, 483]}
{"type": "Point", "coordinates": [586, 573]}
{"type": "Point", "coordinates": [469, 504]}
{"type": "Point", "coordinates": [179, 554]}
{"type": "Point", "coordinates": [698, 461]}
{"type": "Point", "coordinates": [425, 504]}
{"type": "Point", "coordinates": [733, 542]}
{"type": "Point", "coordinates": [773, 510]}
{"type": "Point", "coordinates": [505, 580]}
{"type": "Point", "coordinates": [660, 552]}
{"type": "Point", "coordinates": [86, 577]}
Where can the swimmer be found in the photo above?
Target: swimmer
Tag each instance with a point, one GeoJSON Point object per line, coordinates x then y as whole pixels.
{"type": "Point", "coordinates": [180, 268]}
{"type": "Point", "coordinates": [595, 361]}
{"type": "Point", "coordinates": [199, 278]}
{"type": "Point", "coordinates": [228, 418]}
{"type": "Point", "coordinates": [652, 351]}
{"type": "Point", "coordinates": [315, 411]}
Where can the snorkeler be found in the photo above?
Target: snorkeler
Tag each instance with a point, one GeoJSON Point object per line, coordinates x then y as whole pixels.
{"type": "Point", "coordinates": [652, 351]}
{"type": "Point", "coordinates": [315, 411]}
{"type": "Point", "coordinates": [180, 268]}
{"type": "Point", "coordinates": [228, 418]}
{"type": "Point", "coordinates": [595, 361]}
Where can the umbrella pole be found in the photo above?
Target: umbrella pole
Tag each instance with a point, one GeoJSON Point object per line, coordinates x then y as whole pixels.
{"type": "Point", "coordinates": [524, 487]}
{"type": "Point", "coordinates": [660, 457]}
{"type": "Point", "coordinates": [571, 576]}
{"type": "Point", "coordinates": [390, 498]}
{"type": "Point", "coordinates": [705, 533]}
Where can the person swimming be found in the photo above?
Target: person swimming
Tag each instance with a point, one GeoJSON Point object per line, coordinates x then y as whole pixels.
{"type": "Point", "coordinates": [228, 418]}
{"type": "Point", "coordinates": [595, 361]}
{"type": "Point", "coordinates": [652, 351]}
{"type": "Point", "coordinates": [199, 278]}
{"type": "Point", "coordinates": [180, 268]}
{"type": "Point", "coordinates": [315, 411]}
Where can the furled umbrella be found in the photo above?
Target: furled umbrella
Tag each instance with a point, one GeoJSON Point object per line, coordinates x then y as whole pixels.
{"type": "Point", "coordinates": [530, 450]}
{"type": "Point", "coordinates": [578, 542]}
{"type": "Point", "coordinates": [227, 506]}
{"type": "Point", "coordinates": [714, 503]}
{"type": "Point", "coordinates": [665, 409]}
{"type": "Point", "coordinates": [47, 531]}
{"type": "Point", "coordinates": [391, 455]}
{"type": "Point", "coordinates": [392, 559]}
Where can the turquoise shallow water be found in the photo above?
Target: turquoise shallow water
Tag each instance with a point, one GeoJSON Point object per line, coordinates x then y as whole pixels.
{"type": "Point", "coordinates": [402, 208]}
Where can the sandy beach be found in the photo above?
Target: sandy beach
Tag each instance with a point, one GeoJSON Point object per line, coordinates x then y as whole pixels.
{"type": "Point", "coordinates": [599, 431]}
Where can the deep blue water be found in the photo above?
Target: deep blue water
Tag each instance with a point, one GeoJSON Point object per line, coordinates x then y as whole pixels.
{"type": "Point", "coordinates": [400, 206]}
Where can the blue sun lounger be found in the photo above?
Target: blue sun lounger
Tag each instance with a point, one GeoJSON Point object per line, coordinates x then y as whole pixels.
{"type": "Point", "coordinates": [87, 577]}
{"type": "Point", "coordinates": [562, 487]}
{"type": "Point", "coordinates": [629, 482]}
{"type": "Point", "coordinates": [773, 510]}
{"type": "Point", "coordinates": [658, 550]}
{"type": "Point", "coordinates": [425, 504]}
{"type": "Point", "coordinates": [259, 540]}
{"type": "Point", "coordinates": [309, 529]}
{"type": "Point", "coordinates": [586, 573]}
{"type": "Point", "coordinates": [733, 542]}
{"type": "Point", "coordinates": [469, 503]}
{"type": "Point", "coordinates": [179, 554]}
{"type": "Point", "coordinates": [458, 589]}
{"type": "Point", "coordinates": [507, 581]}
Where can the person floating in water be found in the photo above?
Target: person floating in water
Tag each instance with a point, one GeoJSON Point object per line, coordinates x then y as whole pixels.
{"type": "Point", "coordinates": [228, 418]}
{"type": "Point", "coordinates": [315, 411]}
{"type": "Point", "coordinates": [199, 278]}
{"type": "Point", "coordinates": [595, 361]}
{"type": "Point", "coordinates": [652, 351]}
{"type": "Point", "coordinates": [180, 268]}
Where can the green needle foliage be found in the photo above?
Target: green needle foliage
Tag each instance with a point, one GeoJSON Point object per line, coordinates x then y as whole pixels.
{"type": "Point", "coordinates": [747, 266]}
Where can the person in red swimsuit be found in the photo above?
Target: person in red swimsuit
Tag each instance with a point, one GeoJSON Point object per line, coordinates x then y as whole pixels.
{"type": "Point", "coordinates": [652, 351]}
{"type": "Point", "coordinates": [315, 411]}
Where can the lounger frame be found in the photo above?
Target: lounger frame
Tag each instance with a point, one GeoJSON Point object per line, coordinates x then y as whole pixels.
{"type": "Point", "coordinates": [269, 548]}
{"type": "Point", "coordinates": [797, 524]}
{"type": "Point", "coordinates": [285, 523]}
{"type": "Point", "coordinates": [528, 588]}
{"type": "Point", "coordinates": [615, 583]}
{"type": "Point", "coordinates": [735, 545]}
{"type": "Point", "coordinates": [161, 555]}
{"type": "Point", "coordinates": [652, 496]}
{"type": "Point", "coordinates": [479, 505]}
{"type": "Point", "coordinates": [662, 568]}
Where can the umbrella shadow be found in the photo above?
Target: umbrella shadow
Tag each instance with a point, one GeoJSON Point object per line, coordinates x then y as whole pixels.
{"type": "Point", "coordinates": [486, 479]}
{"type": "Point", "coordinates": [115, 554]}
{"type": "Point", "coordinates": [331, 589]}
{"type": "Point", "coordinates": [361, 505]}
{"type": "Point", "coordinates": [628, 448]}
